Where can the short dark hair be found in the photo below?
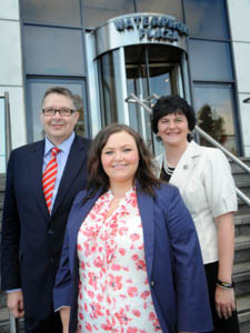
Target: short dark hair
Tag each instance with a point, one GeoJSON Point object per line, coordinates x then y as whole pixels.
{"type": "Point", "coordinates": [61, 91]}
{"type": "Point", "coordinates": [172, 104]}
{"type": "Point", "coordinates": [96, 175]}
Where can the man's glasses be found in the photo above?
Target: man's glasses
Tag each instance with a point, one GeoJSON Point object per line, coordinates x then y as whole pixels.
{"type": "Point", "coordinates": [64, 112]}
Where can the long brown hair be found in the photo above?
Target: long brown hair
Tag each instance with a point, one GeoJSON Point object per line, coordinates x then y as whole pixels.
{"type": "Point", "coordinates": [97, 177]}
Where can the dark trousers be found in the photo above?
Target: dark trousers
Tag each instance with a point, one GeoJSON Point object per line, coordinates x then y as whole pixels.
{"type": "Point", "coordinates": [50, 325]}
{"type": "Point", "coordinates": [230, 325]}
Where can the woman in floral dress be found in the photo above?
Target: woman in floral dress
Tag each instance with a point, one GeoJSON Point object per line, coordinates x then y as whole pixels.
{"type": "Point", "coordinates": [131, 260]}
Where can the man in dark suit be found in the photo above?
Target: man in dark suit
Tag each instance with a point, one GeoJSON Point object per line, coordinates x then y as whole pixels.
{"type": "Point", "coordinates": [33, 227]}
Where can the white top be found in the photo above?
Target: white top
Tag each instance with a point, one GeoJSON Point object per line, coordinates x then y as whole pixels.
{"type": "Point", "coordinates": [203, 176]}
{"type": "Point", "coordinates": [114, 293]}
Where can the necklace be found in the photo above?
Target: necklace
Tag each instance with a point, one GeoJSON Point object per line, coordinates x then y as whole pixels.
{"type": "Point", "coordinates": [169, 169]}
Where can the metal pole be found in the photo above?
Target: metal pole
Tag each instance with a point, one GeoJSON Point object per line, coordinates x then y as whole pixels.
{"type": "Point", "coordinates": [8, 143]}
{"type": "Point", "coordinates": [14, 326]}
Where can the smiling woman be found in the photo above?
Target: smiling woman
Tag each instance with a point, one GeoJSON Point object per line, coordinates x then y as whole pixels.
{"type": "Point", "coordinates": [137, 248]}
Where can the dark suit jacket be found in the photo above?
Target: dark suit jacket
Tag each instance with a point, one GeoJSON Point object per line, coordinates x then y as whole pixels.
{"type": "Point", "coordinates": [31, 238]}
{"type": "Point", "coordinates": [173, 259]}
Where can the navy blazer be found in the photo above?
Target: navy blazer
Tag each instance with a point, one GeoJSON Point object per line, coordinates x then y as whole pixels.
{"type": "Point", "coordinates": [173, 260]}
{"type": "Point", "coordinates": [32, 238]}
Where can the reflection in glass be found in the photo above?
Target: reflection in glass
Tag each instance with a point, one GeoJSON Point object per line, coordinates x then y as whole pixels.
{"type": "Point", "coordinates": [53, 51]}
{"type": "Point", "coordinates": [206, 18]}
{"type": "Point", "coordinates": [97, 12]}
{"type": "Point", "coordinates": [167, 7]}
{"type": "Point", "coordinates": [210, 61]}
{"type": "Point", "coordinates": [2, 138]}
{"type": "Point", "coordinates": [215, 108]}
{"type": "Point", "coordinates": [59, 12]}
{"type": "Point", "coordinates": [36, 90]}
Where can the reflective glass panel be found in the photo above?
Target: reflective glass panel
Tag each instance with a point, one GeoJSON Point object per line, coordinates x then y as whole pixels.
{"type": "Point", "coordinates": [210, 61]}
{"type": "Point", "coordinates": [36, 90]}
{"type": "Point", "coordinates": [214, 105]}
{"type": "Point", "coordinates": [52, 11]}
{"type": "Point", "coordinates": [97, 12]}
{"type": "Point", "coordinates": [206, 18]}
{"type": "Point", "coordinates": [2, 138]}
{"type": "Point", "coordinates": [168, 7]}
{"type": "Point", "coordinates": [53, 51]}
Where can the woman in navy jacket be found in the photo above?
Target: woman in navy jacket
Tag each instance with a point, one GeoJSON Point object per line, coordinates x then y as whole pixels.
{"type": "Point", "coordinates": [120, 168]}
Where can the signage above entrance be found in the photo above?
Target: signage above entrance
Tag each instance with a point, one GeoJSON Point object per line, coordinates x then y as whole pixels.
{"type": "Point", "coordinates": [153, 27]}
{"type": "Point", "coordinates": [140, 28]}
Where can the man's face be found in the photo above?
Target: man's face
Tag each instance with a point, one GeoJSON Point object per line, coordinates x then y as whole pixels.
{"type": "Point", "coordinates": [58, 128]}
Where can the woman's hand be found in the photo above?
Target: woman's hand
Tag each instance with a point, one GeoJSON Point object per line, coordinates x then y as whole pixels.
{"type": "Point", "coordinates": [65, 313]}
{"type": "Point", "coordinates": [224, 302]}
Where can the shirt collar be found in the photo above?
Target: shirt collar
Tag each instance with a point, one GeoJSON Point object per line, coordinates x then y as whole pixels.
{"type": "Point", "coordinates": [64, 146]}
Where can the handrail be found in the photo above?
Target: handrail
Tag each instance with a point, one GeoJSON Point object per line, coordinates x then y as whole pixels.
{"type": "Point", "coordinates": [132, 98]}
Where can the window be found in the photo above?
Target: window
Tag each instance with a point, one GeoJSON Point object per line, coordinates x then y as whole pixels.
{"type": "Point", "coordinates": [206, 18]}
{"type": "Point", "coordinates": [167, 7]}
{"type": "Point", "coordinates": [210, 61]}
{"type": "Point", "coordinates": [215, 113]}
{"type": "Point", "coordinates": [97, 12]}
{"type": "Point", "coordinates": [36, 90]}
{"type": "Point", "coordinates": [52, 12]}
{"type": "Point", "coordinates": [53, 51]}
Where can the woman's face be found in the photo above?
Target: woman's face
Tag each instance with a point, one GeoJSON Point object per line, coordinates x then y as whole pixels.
{"type": "Point", "coordinates": [173, 129]}
{"type": "Point", "coordinates": [120, 158]}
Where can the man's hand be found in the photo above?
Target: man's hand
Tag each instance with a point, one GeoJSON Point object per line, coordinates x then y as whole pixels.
{"type": "Point", "coordinates": [224, 302]}
{"type": "Point", "coordinates": [15, 303]}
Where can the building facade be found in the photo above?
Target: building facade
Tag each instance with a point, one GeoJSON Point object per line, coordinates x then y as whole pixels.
{"type": "Point", "coordinates": [111, 52]}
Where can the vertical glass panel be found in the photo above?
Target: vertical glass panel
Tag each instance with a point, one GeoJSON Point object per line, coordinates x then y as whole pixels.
{"type": "Point", "coordinates": [53, 51]}
{"type": "Point", "coordinates": [215, 108]}
{"type": "Point", "coordinates": [210, 61]}
{"type": "Point", "coordinates": [206, 18]}
{"type": "Point", "coordinates": [60, 12]}
{"type": "Point", "coordinates": [168, 7]}
{"type": "Point", "coordinates": [2, 137]}
{"type": "Point", "coordinates": [36, 90]}
{"type": "Point", "coordinates": [97, 12]}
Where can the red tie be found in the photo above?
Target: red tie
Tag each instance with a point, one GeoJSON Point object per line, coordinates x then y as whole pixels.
{"type": "Point", "coordinates": [49, 177]}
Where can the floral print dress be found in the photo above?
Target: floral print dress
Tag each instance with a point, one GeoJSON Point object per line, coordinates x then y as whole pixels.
{"type": "Point", "coordinates": [114, 293]}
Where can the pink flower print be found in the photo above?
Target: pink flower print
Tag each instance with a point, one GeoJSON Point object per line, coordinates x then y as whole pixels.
{"type": "Point", "coordinates": [96, 310]}
{"type": "Point", "coordinates": [98, 262]}
{"type": "Point", "coordinates": [100, 298]}
{"type": "Point", "coordinates": [109, 326]}
{"type": "Point", "coordinates": [86, 307]}
{"type": "Point", "coordinates": [126, 269]}
{"type": "Point", "coordinates": [132, 291]}
{"type": "Point", "coordinates": [116, 267]}
{"type": "Point", "coordinates": [88, 327]}
{"type": "Point", "coordinates": [135, 237]}
{"type": "Point", "coordinates": [141, 265]}
{"type": "Point", "coordinates": [136, 313]}
{"type": "Point", "coordinates": [129, 281]}
{"type": "Point", "coordinates": [122, 251]}
{"type": "Point", "coordinates": [132, 330]}
{"type": "Point", "coordinates": [122, 317]}
{"type": "Point", "coordinates": [135, 257]}
{"type": "Point", "coordinates": [123, 231]}
{"type": "Point", "coordinates": [81, 316]}
{"type": "Point", "coordinates": [79, 247]}
{"type": "Point", "coordinates": [145, 295]}
{"type": "Point", "coordinates": [93, 280]}
{"type": "Point", "coordinates": [115, 282]}
{"type": "Point", "coordinates": [91, 294]}
{"type": "Point", "coordinates": [82, 265]}
{"type": "Point", "coordinates": [152, 316]}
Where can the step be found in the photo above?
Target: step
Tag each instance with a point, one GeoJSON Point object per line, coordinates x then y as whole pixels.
{"type": "Point", "coordinates": [242, 224]}
{"type": "Point", "coordinates": [241, 277]}
{"type": "Point", "coordinates": [242, 248]}
{"type": "Point", "coordinates": [243, 308]}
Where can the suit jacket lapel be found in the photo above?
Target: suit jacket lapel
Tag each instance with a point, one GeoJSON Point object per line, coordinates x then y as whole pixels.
{"type": "Point", "coordinates": [75, 160]}
{"type": "Point", "coordinates": [185, 166]}
{"type": "Point", "coordinates": [146, 208]}
{"type": "Point", "coordinates": [36, 163]}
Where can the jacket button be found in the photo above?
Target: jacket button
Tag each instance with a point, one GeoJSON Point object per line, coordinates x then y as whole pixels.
{"type": "Point", "coordinates": [50, 231]}
{"type": "Point", "coordinates": [152, 283]}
